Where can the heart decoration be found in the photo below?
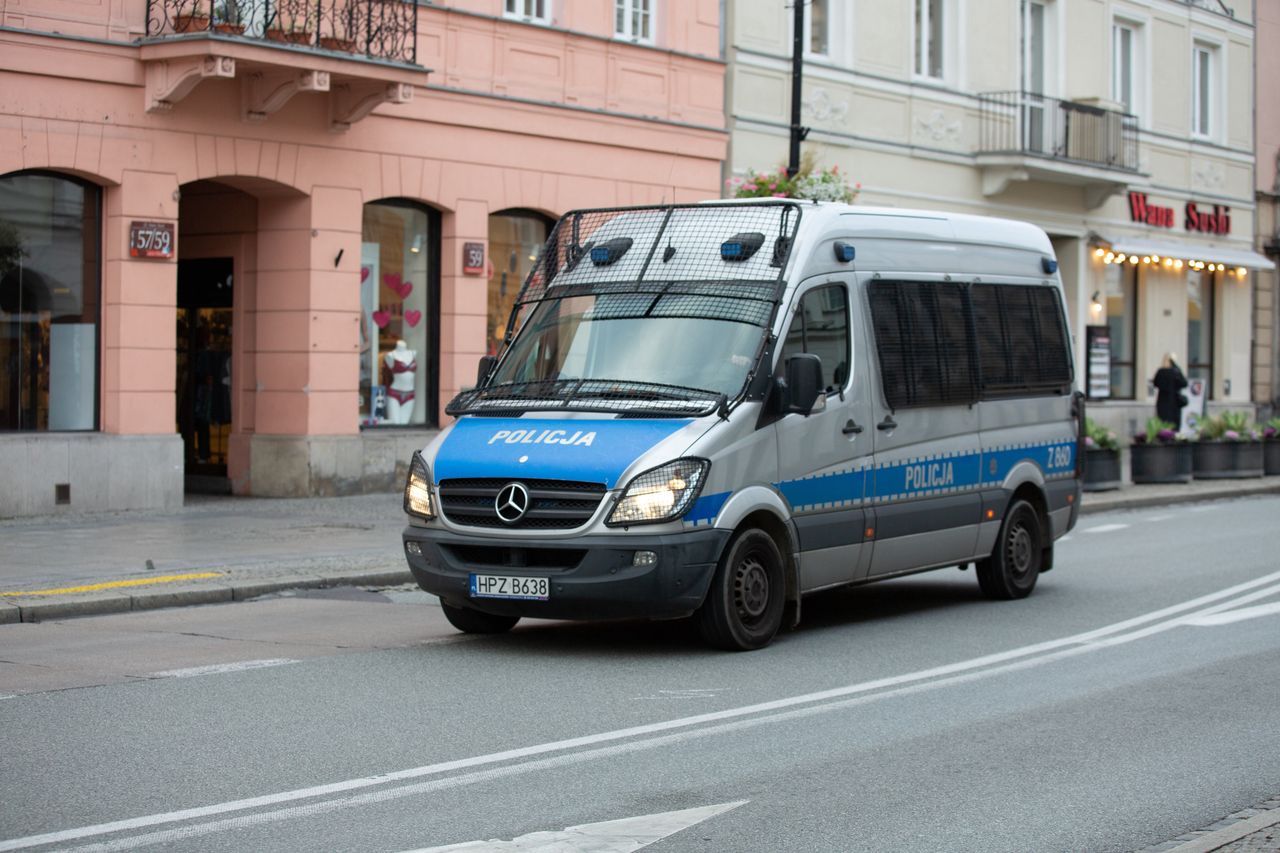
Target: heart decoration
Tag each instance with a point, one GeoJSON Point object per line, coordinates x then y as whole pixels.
{"type": "Point", "coordinates": [382, 318]}
{"type": "Point", "coordinates": [364, 274]}
{"type": "Point", "coordinates": [412, 318]}
{"type": "Point", "coordinates": [391, 280]}
{"type": "Point", "coordinates": [404, 289]}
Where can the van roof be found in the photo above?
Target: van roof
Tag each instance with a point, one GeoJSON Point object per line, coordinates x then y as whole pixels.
{"type": "Point", "coordinates": [857, 220]}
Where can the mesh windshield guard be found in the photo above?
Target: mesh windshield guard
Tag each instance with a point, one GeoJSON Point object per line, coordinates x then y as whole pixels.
{"type": "Point", "coordinates": [724, 261]}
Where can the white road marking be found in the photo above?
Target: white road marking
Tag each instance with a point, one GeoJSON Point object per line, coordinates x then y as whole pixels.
{"type": "Point", "coordinates": [1105, 528]}
{"type": "Point", "coordinates": [610, 836]}
{"type": "Point", "coordinates": [1227, 617]}
{"type": "Point", "coordinates": [1158, 518]}
{"type": "Point", "coordinates": [219, 668]}
{"type": "Point", "coordinates": [649, 736]}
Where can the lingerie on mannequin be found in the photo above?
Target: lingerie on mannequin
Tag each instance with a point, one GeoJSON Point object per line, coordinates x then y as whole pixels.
{"type": "Point", "coordinates": [403, 364]}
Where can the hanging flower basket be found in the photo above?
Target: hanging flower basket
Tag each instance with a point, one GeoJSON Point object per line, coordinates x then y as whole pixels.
{"type": "Point", "coordinates": [190, 23]}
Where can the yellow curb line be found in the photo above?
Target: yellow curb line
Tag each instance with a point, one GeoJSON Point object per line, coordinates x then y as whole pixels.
{"type": "Point", "coordinates": [93, 587]}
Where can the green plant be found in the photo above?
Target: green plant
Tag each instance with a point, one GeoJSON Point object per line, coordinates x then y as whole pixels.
{"type": "Point", "coordinates": [1098, 437]}
{"type": "Point", "coordinates": [227, 12]}
{"type": "Point", "coordinates": [1159, 431]}
{"type": "Point", "coordinates": [1228, 426]}
{"type": "Point", "coordinates": [809, 182]}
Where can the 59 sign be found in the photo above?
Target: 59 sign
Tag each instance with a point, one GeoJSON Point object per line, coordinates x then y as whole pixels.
{"type": "Point", "coordinates": [151, 240]}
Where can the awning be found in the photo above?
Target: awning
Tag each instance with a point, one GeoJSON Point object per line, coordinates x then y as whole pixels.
{"type": "Point", "coordinates": [1232, 256]}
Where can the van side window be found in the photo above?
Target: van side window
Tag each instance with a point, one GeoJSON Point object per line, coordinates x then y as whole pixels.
{"type": "Point", "coordinates": [923, 340]}
{"type": "Point", "coordinates": [1022, 339]}
{"type": "Point", "coordinates": [821, 327]}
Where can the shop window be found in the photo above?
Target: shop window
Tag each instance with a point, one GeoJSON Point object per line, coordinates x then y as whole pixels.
{"type": "Point", "coordinates": [515, 238]}
{"type": "Point", "coordinates": [50, 273]}
{"type": "Point", "coordinates": [529, 10]}
{"type": "Point", "coordinates": [1121, 303]}
{"type": "Point", "coordinates": [1200, 292]}
{"type": "Point", "coordinates": [399, 323]}
{"type": "Point", "coordinates": [633, 19]}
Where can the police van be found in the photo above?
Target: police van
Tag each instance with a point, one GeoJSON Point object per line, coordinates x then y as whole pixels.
{"type": "Point", "coordinates": [713, 410]}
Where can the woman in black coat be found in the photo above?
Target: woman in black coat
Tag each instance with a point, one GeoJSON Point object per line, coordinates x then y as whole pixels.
{"type": "Point", "coordinates": [1169, 383]}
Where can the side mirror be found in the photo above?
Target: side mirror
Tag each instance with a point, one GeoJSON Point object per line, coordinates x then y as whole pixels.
{"type": "Point", "coordinates": [804, 383]}
{"type": "Point", "coordinates": [486, 367]}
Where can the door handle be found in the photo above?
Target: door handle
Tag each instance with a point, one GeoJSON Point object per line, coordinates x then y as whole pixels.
{"type": "Point", "coordinates": [851, 427]}
{"type": "Point", "coordinates": [887, 424]}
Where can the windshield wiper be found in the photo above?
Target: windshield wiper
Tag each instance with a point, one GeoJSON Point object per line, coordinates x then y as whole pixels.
{"type": "Point", "coordinates": [621, 396]}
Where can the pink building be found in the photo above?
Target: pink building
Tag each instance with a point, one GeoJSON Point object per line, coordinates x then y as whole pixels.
{"type": "Point", "coordinates": [258, 244]}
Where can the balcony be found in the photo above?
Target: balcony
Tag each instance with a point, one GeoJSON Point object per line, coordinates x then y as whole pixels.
{"type": "Point", "coordinates": [362, 52]}
{"type": "Point", "coordinates": [1025, 136]}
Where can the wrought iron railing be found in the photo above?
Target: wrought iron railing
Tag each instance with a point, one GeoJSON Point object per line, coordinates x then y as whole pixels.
{"type": "Point", "coordinates": [1029, 123]}
{"type": "Point", "coordinates": [377, 29]}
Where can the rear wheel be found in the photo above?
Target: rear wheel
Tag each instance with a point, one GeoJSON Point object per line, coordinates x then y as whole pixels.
{"type": "Point", "coordinates": [743, 609]}
{"type": "Point", "coordinates": [1013, 567]}
{"type": "Point", "coordinates": [475, 622]}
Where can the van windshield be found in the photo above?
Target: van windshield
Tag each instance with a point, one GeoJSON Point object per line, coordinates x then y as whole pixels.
{"type": "Point", "coordinates": [629, 347]}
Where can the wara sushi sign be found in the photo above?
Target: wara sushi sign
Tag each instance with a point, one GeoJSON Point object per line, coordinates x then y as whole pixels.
{"type": "Point", "coordinates": [1196, 217]}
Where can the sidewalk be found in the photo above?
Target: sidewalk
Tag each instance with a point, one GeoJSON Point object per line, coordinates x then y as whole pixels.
{"type": "Point", "coordinates": [229, 549]}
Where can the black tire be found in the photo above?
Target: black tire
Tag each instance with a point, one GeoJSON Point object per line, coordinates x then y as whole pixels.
{"type": "Point", "coordinates": [1013, 567]}
{"type": "Point", "coordinates": [744, 606]}
{"type": "Point", "coordinates": [471, 621]}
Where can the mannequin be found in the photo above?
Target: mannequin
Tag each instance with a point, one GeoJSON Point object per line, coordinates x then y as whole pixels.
{"type": "Point", "coordinates": [403, 364]}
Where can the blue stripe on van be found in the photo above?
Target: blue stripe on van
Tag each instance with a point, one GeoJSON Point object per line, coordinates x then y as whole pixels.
{"type": "Point", "coordinates": [926, 476]}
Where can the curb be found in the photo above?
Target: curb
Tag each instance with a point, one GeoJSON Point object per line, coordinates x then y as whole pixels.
{"type": "Point", "coordinates": [1220, 838]}
{"type": "Point", "coordinates": [41, 609]}
{"type": "Point", "coordinates": [1104, 503]}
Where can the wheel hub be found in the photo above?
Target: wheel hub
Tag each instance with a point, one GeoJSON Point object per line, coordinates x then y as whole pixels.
{"type": "Point", "coordinates": [751, 589]}
{"type": "Point", "coordinates": [1020, 550]}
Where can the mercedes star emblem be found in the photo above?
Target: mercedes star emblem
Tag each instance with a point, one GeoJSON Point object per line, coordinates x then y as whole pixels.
{"type": "Point", "coordinates": [512, 502]}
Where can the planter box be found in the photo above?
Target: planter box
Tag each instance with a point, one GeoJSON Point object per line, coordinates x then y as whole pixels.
{"type": "Point", "coordinates": [1217, 460]}
{"type": "Point", "coordinates": [230, 29]}
{"type": "Point", "coordinates": [190, 23]}
{"type": "Point", "coordinates": [1271, 456]}
{"type": "Point", "coordinates": [332, 43]}
{"type": "Point", "coordinates": [1101, 470]}
{"type": "Point", "coordinates": [290, 36]}
{"type": "Point", "coordinates": [1161, 463]}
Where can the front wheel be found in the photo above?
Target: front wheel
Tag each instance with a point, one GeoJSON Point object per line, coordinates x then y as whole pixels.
{"type": "Point", "coordinates": [743, 609]}
{"type": "Point", "coordinates": [1013, 567]}
{"type": "Point", "coordinates": [471, 621]}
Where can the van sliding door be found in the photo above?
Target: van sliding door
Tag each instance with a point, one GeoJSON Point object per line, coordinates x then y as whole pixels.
{"type": "Point", "coordinates": [925, 429]}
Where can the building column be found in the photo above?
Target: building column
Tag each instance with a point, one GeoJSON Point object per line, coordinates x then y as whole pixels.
{"type": "Point", "coordinates": [306, 336]}
{"type": "Point", "coordinates": [464, 300]}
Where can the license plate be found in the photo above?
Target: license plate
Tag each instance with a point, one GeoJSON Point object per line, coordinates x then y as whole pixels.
{"type": "Point", "coordinates": [507, 586]}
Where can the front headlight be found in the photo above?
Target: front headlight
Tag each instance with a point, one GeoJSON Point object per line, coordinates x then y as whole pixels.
{"type": "Point", "coordinates": [417, 490]}
{"type": "Point", "coordinates": [661, 494]}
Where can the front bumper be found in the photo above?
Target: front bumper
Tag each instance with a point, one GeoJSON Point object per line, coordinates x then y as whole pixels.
{"type": "Point", "coordinates": [591, 577]}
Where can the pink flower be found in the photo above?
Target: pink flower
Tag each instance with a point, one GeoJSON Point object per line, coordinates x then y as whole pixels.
{"type": "Point", "coordinates": [835, 170]}
{"type": "Point", "coordinates": [750, 187]}
{"type": "Point", "coordinates": [773, 185]}
{"type": "Point", "coordinates": [779, 195]}
{"type": "Point", "coordinates": [858, 185]}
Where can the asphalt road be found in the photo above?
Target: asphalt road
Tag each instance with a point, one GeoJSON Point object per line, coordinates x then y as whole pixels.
{"type": "Point", "coordinates": [1132, 698]}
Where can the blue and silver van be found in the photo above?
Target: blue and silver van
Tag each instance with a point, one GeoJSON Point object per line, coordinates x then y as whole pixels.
{"type": "Point", "coordinates": [713, 410]}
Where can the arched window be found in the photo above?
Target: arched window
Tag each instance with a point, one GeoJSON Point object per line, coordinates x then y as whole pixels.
{"type": "Point", "coordinates": [515, 237]}
{"type": "Point", "coordinates": [50, 283]}
{"type": "Point", "coordinates": [400, 314]}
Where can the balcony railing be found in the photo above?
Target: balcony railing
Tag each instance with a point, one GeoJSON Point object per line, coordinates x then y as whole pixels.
{"type": "Point", "coordinates": [377, 29]}
{"type": "Point", "coordinates": [1028, 123]}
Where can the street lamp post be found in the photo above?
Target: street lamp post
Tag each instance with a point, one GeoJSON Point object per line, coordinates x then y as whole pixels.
{"type": "Point", "coordinates": [798, 133]}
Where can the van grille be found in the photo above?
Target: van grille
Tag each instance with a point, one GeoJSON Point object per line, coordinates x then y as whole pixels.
{"type": "Point", "coordinates": [553, 505]}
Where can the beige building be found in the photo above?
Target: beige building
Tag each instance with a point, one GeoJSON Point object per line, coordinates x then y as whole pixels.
{"type": "Point", "coordinates": [1124, 128]}
{"type": "Point", "coordinates": [1266, 287]}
